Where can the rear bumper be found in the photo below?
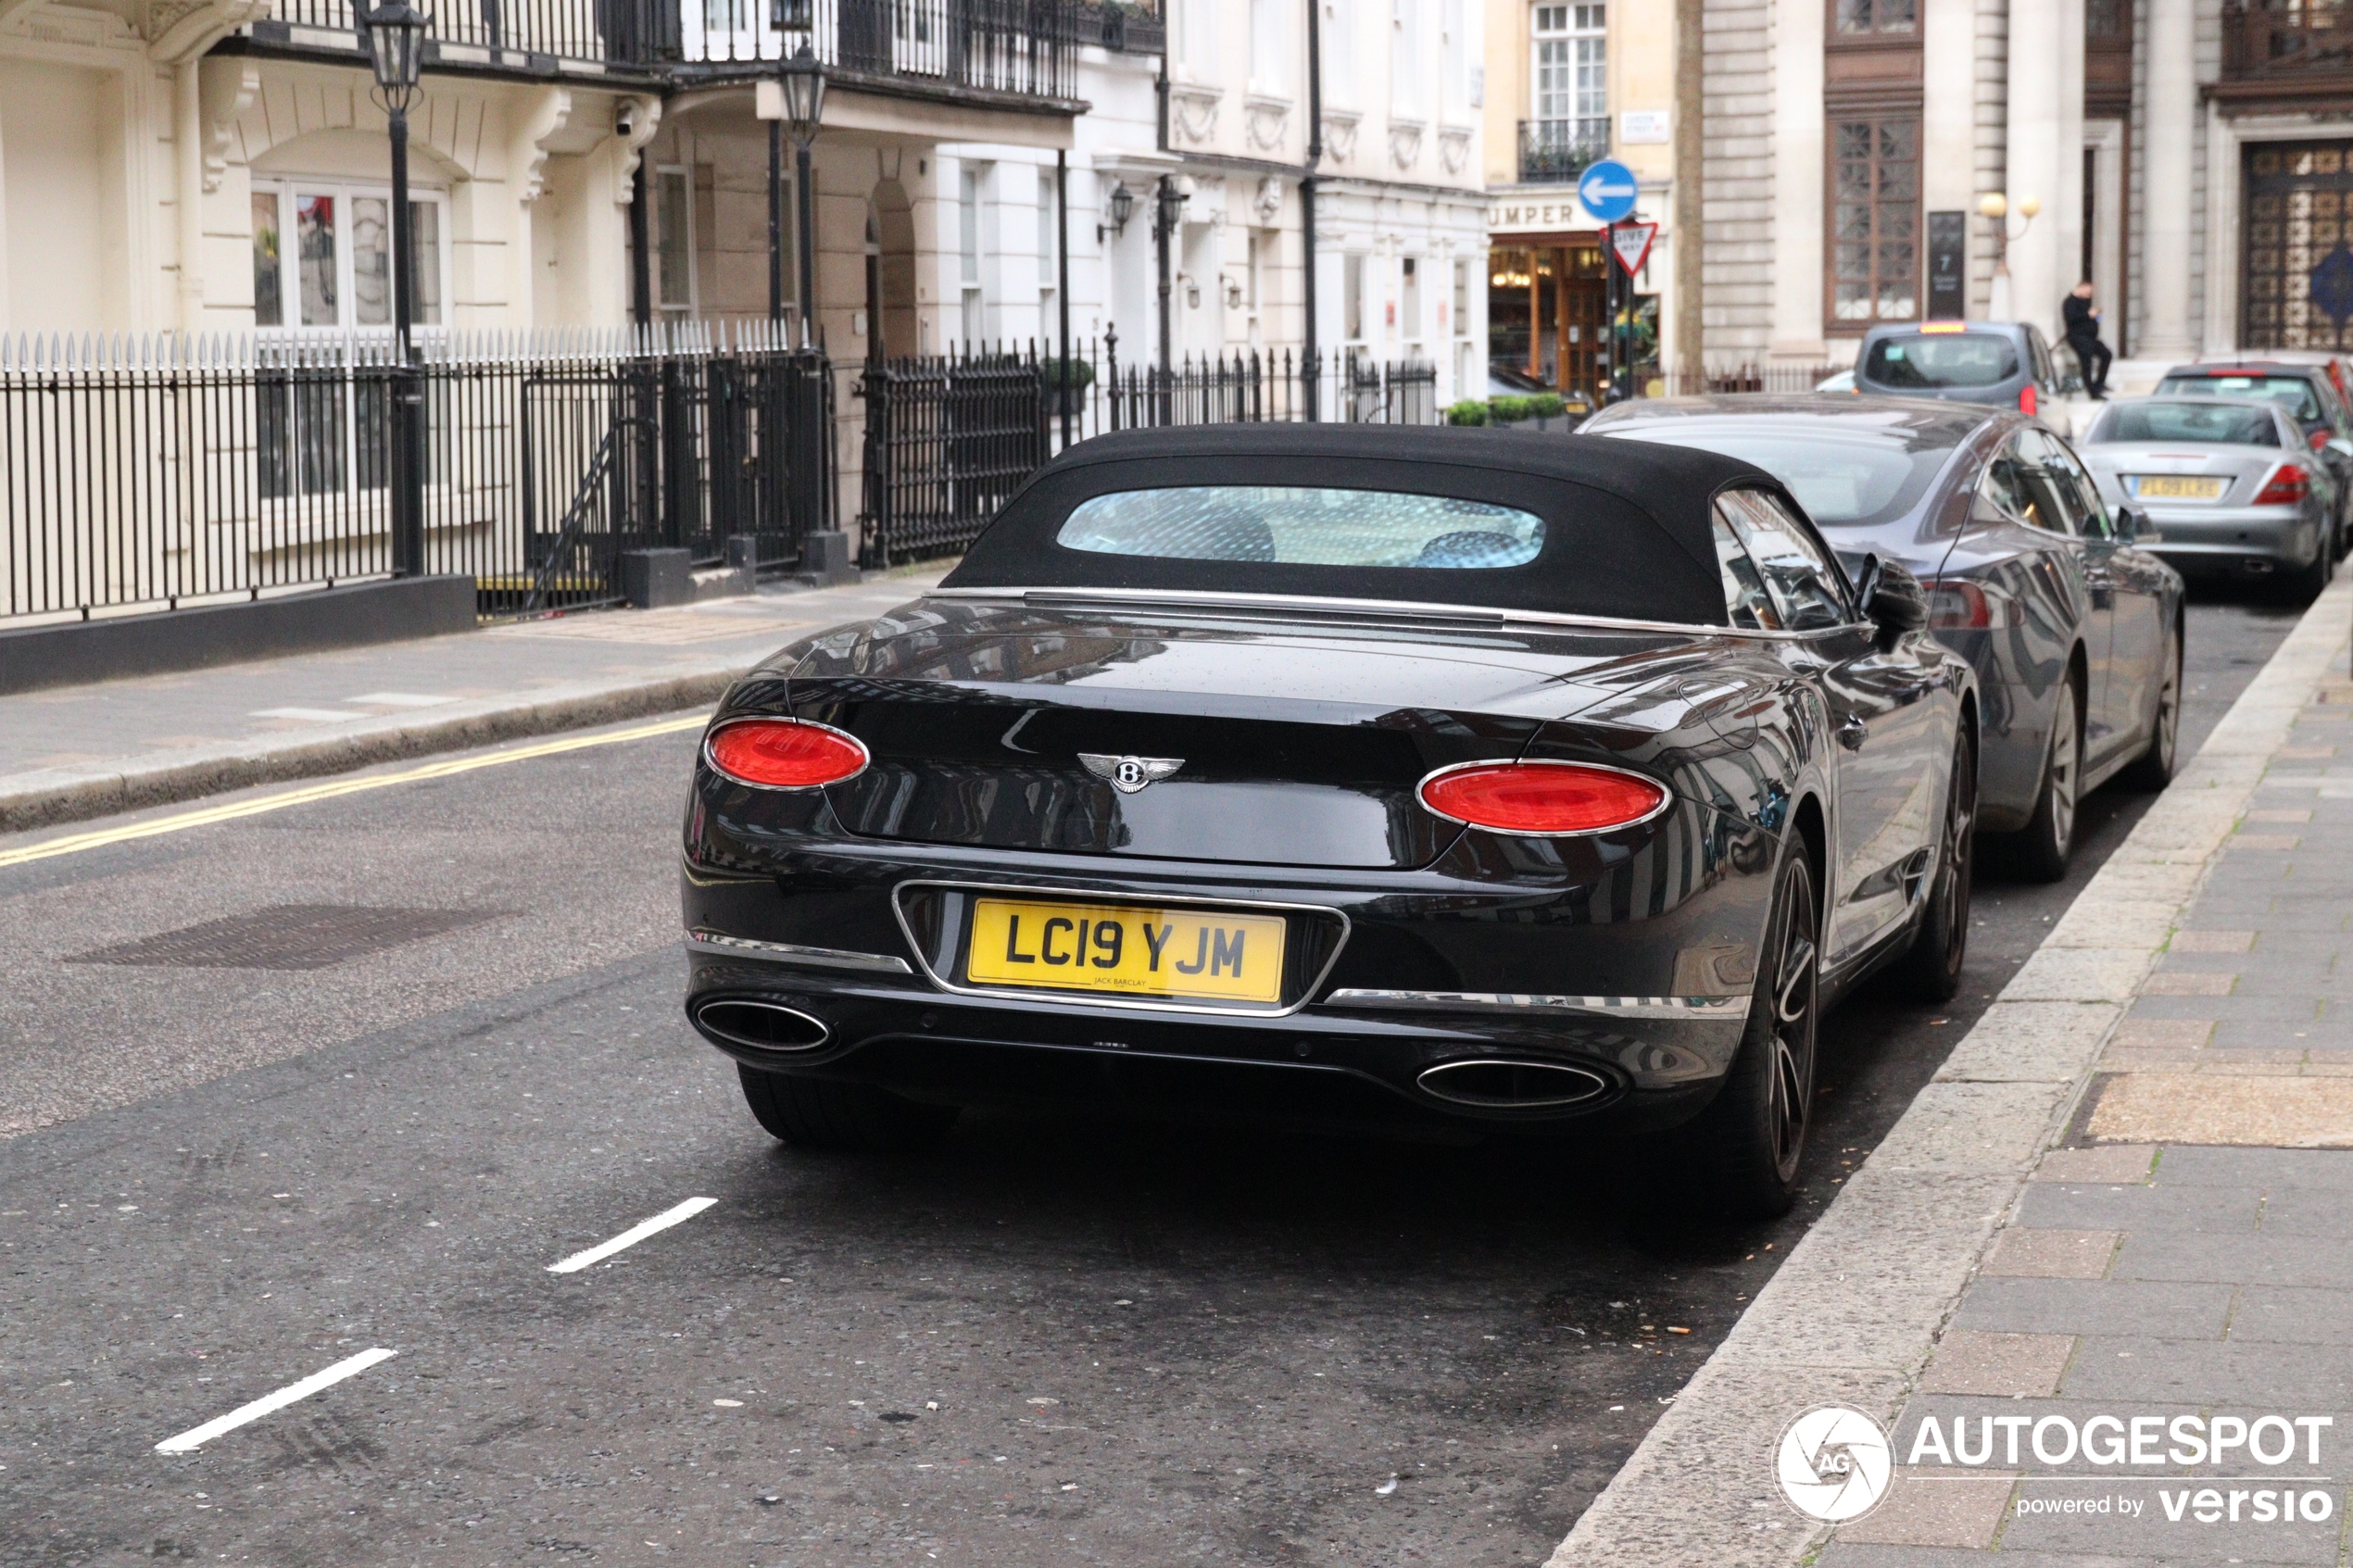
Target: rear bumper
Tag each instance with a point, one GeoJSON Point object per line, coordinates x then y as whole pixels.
{"type": "Point", "coordinates": [2207, 541]}
{"type": "Point", "coordinates": [1328, 1066]}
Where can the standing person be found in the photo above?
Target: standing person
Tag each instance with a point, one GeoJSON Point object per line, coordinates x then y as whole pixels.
{"type": "Point", "coordinates": [2083, 336]}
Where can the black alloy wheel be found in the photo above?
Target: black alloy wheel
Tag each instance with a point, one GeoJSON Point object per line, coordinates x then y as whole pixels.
{"type": "Point", "coordinates": [821, 1115]}
{"type": "Point", "coordinates": [1739, 1158]}
{"type": "Point", "coordinates": [2042, 849]}
{"type": "Point", "coordinates": [2153, 768]}
{"type": "Point", "coordinates": [1932, 971]}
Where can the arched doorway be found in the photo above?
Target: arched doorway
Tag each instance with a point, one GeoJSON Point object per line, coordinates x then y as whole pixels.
{"type": "Point", "coordinates": [890, 269]}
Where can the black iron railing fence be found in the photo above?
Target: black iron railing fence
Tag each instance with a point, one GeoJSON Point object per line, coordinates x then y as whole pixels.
{"type": "Point", "coordinates": [1557, 151]}
{"type": "Point", "coordinates": [1027, 47]}
{"type": "Point", "coordinates": [148, 473]}
{"type": "Point", "coordinates": [949, 438]}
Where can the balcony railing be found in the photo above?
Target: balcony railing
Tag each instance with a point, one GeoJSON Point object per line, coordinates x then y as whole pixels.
{"type": "Point", "coordinates": [1029, 48]}
{"type": "Point", "coordinates": [2287, 40]}
{"type": "Point", "coordinates": [1554, 152]}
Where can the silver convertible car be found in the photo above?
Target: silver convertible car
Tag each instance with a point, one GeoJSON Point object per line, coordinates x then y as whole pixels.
{"type": "Point", "coordinates": [2230, 486]}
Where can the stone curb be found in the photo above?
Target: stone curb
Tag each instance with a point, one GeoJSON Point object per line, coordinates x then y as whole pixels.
{"type": "Point", "coordinates": [69, 794]}
{"type": "Point", "coordinates": [1854, 1313]}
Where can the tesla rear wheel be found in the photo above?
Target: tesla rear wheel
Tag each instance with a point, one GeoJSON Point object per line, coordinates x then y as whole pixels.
{"type": "Point", "coordinates": [1932, 971]}
{"type": "Point", "coordinates": [819, 1114]}
{"type": "Point", "coordinates": [2042, 850]}
{"type": "Point", "coordinates": [2153, 768]}
{"type": "Point", "coordinates": [1740, 1157]}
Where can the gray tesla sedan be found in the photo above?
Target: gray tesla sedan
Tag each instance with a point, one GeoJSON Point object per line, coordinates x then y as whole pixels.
{"type": "Point", "coordinates": [2075, 634]}
{"type": "Point", "coordinates": [2229, 487]}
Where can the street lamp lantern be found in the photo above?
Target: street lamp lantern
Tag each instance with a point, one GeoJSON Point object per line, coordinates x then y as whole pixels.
{"type": "Point", "coordinates": [396, 48]}
{"type": "Point", "coordinates": [1123, 207]}
{"type": "Point", "coordinates": [804, 84]}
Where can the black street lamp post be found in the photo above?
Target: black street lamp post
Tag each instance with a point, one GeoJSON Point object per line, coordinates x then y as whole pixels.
{"type": "Point", "coordinates": [804, 89]}
{"type": "Point", "coordinates": [396, 49]}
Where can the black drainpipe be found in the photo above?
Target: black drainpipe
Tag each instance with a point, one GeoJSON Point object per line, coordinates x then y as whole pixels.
{"type": "Point", "coordinates": [1310, 368]}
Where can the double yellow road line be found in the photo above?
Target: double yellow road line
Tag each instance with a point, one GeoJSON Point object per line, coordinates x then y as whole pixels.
{"type": "Point", "coordinates": [155, 827]}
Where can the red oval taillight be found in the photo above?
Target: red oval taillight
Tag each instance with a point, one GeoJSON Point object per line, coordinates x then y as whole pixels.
{"type": "Point", "coordinates": [1545, 799]}
{"type": "Point", "coordinates": [786, 754]}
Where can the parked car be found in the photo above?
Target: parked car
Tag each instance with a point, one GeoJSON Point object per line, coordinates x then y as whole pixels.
{"type": "Point", "coordinates": [2229, 487]}
{"type": "Point", "coordinates": [2308, 394]}
{"type": "Point", "coordinates": [2340, 370]}
{"type": "Point", "coordinates": [1479, 783]}
{"type": "Point", "coordinates": [2075, 634]}
{"type": "Point", "coordinates": [2004, 362]}
{"type": "Point", "coordinates": [1843, 381]}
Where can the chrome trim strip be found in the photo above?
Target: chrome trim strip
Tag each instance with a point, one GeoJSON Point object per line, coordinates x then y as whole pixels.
{"type": "Point", "coordinates": [1096, 895]}
{"type": "Point", "coordinates": [1182, 599]}
{"type": "Point", "coordinates": [1665, 795]}
{"type": "Point", "coordinates": [785, 952]}
{"type": "Point", "coordinates": [1679, 1009]}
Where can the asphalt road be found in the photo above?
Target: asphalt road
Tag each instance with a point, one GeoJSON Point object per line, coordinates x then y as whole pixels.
{"type": "Point", "coordinates": [1053, 1342]}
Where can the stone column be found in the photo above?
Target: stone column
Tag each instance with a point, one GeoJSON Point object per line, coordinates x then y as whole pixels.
{"type": "Point", "coordinates": [2040, 142]}
{"type": "Point", "coordinates": [1799, 223]}
{"type": "Point", "coordinates": [2163, 202]}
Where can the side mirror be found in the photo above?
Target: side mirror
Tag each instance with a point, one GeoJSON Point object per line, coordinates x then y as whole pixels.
{"type": "Point", "coordinates": [1893, 599]}
{"type": "Point", "coordinates": [2127, 524]}
{"type": "Point", "coordinates": [2341, 447]}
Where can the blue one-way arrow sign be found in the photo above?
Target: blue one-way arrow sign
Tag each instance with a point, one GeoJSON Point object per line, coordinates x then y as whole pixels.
{"type": "Point", "coordinates": [1607, 190]}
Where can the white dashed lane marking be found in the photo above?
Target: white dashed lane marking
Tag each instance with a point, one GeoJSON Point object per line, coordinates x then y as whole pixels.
{"type": "Point", "coordinates": [197, 1436]}
{"type": "Point", "coordinates": [632, 1236]}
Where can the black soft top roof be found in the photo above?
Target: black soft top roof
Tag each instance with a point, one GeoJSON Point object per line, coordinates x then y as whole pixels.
{"type": "Point", "coordinates": [1628, 528]}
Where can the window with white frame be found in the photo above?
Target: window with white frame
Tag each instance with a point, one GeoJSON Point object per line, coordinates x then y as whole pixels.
{"type": "Point", "coordinates": [1048, 263]}
{"type": "Point", "coordinates": [335, 274]}
{"type": "Point", "coordinates": [970, 178]}
{"type": "Point", "coordinates": [1455, 44]}
{"type": "Point", "coordinates": [1572, 75]}
{"type": "Point", "coordinates": [1270, 46]}
{"type": "Point", "coordinates": [1338, 48]}
{"type": "Point", "coordinates": [1404, 57]}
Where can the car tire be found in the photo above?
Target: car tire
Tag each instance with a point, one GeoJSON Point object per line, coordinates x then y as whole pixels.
{"type": "Point", "coordinates": [2153, 768]}
{"type": "Point", "coordinates": [826, 1116]}
{"type": "Point", "coordinates": [2041, 851]}
{"type": "Point", "coordinates": [2308, 582]}
{"type": "Point", "coordinates": [1930, 972]}
{"type": "Point", "coordinates": [1739, 1158]}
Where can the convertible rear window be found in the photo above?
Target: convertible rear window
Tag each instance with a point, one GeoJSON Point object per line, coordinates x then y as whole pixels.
{"type": "Point", "coordinates": [1295, 525]}
{"type": "Point", "coordinates": [2208, 422]}
{"type": "Point", "coordinates": [2292, 393]}
{"type": "Point", "coordinates": [1942, 360]}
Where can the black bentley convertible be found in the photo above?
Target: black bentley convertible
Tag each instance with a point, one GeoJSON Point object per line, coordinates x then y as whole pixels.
{"type": "Point", "coordinates": [1456, 781]}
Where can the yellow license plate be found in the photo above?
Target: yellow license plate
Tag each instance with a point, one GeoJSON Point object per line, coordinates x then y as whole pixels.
{"type": "Point", "coordinates": [1169, 954]}
{"type": "Point", "coordinates": [2153, 486]}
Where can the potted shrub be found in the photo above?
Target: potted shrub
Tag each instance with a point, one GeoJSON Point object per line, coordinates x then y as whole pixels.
{"type": "Point", "coordinates": [1508, 410]}
{"type": "Point", "coordinates": [1469, 411]}
{"type": "Point", "coordinates": [1546, 406]}
{"type": "Point", "coordinates": [1066, 385]}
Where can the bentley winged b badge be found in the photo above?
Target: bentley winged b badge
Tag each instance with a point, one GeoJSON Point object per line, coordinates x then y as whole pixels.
{"type": "Point", "coordinates": [1129, 774]}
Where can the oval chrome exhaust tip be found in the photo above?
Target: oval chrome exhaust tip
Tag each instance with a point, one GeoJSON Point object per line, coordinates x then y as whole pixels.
{"type": "Point", "coordinates": [1512, 1085]}
{"type": "Point", "coordinates": [763, 1026]}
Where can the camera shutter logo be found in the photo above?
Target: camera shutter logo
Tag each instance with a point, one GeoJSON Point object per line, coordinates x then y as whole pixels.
{"type": "Point", "coordinates": [1834, 1463]}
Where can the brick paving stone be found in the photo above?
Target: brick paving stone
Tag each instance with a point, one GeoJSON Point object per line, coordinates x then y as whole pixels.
{"type": "Point", "coordinates": [2168, 1206]}
{"type": "Point", "coordinates": [2190, 983]}
{"type": "Point", "coordinates": [2315, 1211]}
{"type": "Point", "coordinates": [2052, 1254]}
{"type": "Point", "coordinates": [2281, 1110]}
{"type": "Point", "coordinates": [1947, 1511]}
{"type": "Point", "coordinates": [2172, 1033]}
{"type": "Point", "coordinates": [2295, 1314]}
{"type": "Point", "coordinates": [2113, 1164]}
{"type": "Point", "coordinates": [2211, 941]}
{"type": "Point", "coordinates": [2235, 1260]}
{"type": "Point", "coordinates": [2160, 1309]}
{"type": "Point", "coordinates": [1973, 1361]}
{"type": "Point", "coordinates": [2239, 1372]}
{"type": "Point", "coordinates": [2279, 815]}
{"type": "Point", "coordinates": [2266, 1168]}
{"type": "Point", "coordinates": [2256, 1009]}
{"type": "Point", "coordinates": [2264, 842]}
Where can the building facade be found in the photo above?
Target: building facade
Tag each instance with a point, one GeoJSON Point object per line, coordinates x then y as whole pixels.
{"type": "Point", "coordinates": [2187, 157]}
{"type": "Point", "coordinates": [1569, 84]}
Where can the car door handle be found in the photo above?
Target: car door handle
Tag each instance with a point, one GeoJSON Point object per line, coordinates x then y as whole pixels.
{"type": "Point", "coordinates": [1851, 731]}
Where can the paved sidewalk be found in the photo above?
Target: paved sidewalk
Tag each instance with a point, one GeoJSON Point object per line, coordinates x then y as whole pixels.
{"type": "Point", "coordinates": [75, 752]}
{"type": "Point", "coordinates": [2189, 1248]}
{"type": "Point", "coordinates": [2128, 1193]}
